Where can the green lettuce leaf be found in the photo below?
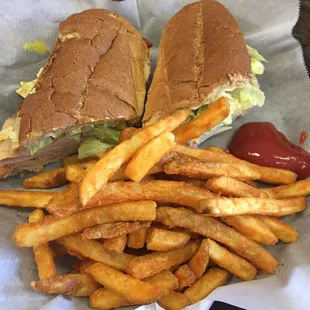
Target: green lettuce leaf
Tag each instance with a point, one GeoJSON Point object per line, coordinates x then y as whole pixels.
{"type": "Point", "coordinates": [106, 134]}
{"type": "Point", "coordinates": [40, 145]}
{"type": "Point", "coordinates": [249, 96]}
{"type": "Point", "coordinates": [255, 54]}
{"type": "Point", "coordinates": [92, 147]}
{"type": "Point", "coordinates": [257, 67]}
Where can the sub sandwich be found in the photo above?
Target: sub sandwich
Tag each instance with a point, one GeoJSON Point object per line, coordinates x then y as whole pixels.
{"type": "Point", "coordinates": [202, 57]}
{"type": "Point", "coordinates": [91, 87]}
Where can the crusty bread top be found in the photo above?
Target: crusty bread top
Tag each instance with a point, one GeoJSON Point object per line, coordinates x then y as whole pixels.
{"type": "Point", "coordinates": [201, 51]}
{"type": "Point", "coordinates": [96, 71]}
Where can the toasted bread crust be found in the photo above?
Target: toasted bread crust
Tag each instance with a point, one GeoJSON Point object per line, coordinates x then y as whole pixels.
{"type": "Point", "coordinates": [95, 72]}
{"type": "Point", "coordinates": [202, 50]}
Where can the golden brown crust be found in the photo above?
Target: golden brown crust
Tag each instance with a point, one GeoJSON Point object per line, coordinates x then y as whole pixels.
{"type": "Point", "coordinates": [95, 72]}
{"type": "Point", "coordinates": [201, 51]}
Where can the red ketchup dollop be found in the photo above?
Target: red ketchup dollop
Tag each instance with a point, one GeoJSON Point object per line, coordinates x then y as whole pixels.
{"type": "Point", "coordinates": [264, 145]}
{"type": "Point", "coordinates": [148, 43]}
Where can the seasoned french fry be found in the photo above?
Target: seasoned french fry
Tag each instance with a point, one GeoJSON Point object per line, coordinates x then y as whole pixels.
{"type": "Point", "coordinates": [107, 299]}
{"type": "Point", "coordinates": [49, 179]}
{"type": "Point", "coordinates": [173, 301]}
{"type": "Point", "coordinates": [74, 173]}
{"type": "Point", "coordinates": [216, 230]}
{"type": "Point", "coordinates": [74, 160]}
{"type": "Point", "coordinates": [81, 264]}
{"type": "Point", "coordinates": [145, 158]}
{"type": "Point", "coordinates": [252, 227]}
{"type": "Point", "coordinates": [298, 189]}
{"type": "Point", "coordinates": [212, 116]}
{"type": "Point", "coordinates": [136, 239]}
{"type": "Point", "coordinates": [200, 260]}
{"type": "Point", "coordinates": [134, 290]}
{"type": "Point", "coordinates": [165, 240]}
{"type": "Point", "coordinates": [77, 284]}
{"type": "Point", "coordinates": [194, 168]}
{"type": "Point", "coordinates": [159, 190]}
{"type": "Point", "coordinates": [150, 264]}
{"type": "Point", "coordinates": [228, 186]}
{"type": "Point", "coordinates": [236, 206]}
{"type": "Point", "coordinates": [113, 230]}
{"type": "Point", "coordinates": [26, 199]}
{"type": "Point", "coordinates": [43, 254]}
{"type": "Point", "coordinates": [231, 262]}
{"type": "Point", "coordinates": [164, 279]}
{"type": "Point", "coordinates": [99, 175]}
{"type": "Point", "coordinates": [283, 231]}
{"type": "Point", "coordinates": [216, 149]}
{"type": "Point", "coordinates": [65, 201]}
{"type": "Point", "coordinates": [116, 244]}
{"type": "Point", "coordinates": [32, 234]}
{"type": "Point", "coordinates": [186, 276]}
{"type": "Point", "coordinates": [126, 134]}
{"type": "Point", "coordinates": [214, 278]}
{"type": "Point", "coordinates": [95, 251]}
{"type": "Point", "coordinates": [268, 175]}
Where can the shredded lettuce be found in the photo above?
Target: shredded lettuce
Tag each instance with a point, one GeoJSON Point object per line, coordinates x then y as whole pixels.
{"type": "Point", "coordinates": [9, 133]}
{"type": "Point", "coordinates": [26, 88]}
{"type": "Point", "coordinates": [42, 143]}
{"type": "Point", "coordinates": [92, 147]}
{"type": "Point", "coordinates": [256, 61]}
{"type": "Point", "coordinates": [249, 96]}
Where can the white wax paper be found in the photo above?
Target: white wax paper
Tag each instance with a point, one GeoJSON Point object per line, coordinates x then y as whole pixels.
{"type": "Point", "coordinates": [267, 26]}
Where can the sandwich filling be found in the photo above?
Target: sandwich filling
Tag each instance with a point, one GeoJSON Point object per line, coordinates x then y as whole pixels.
{"type": "Point", "coordinates": [239, 99]}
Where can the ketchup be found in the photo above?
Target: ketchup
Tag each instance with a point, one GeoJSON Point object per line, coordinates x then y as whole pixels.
{"type": "Point", "coordinates": [148, 43]}
{"type": "Point", "coordinates": [263, 144]}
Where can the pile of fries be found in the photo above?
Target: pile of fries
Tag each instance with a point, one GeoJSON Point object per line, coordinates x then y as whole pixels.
{"type": "Point", "coordinates": [155, 220]}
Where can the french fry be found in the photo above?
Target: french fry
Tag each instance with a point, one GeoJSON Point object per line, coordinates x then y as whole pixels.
{"type": "Point", "coordinates": [237, 206]}
{"type": "Point", "coordinates": [74, 173]}
{"type": "Point", "coordinates": [150, 264]}
{"type": "Point", "coordinates": [27, 235]}
{"type": "Point", "coordinates": [113, 230]}
{"type": "Point", "coordinates": [212, 279]}
{"type": "Point", "coordinates": [134, 290]}
{"type": "Point", "coordinates": [186, 276]}
{"type": "Point", "coordinates": [107, 299]}
{"type": "Point", "coordinates": [200, 260]}
{"type": "Point", "coordinates": [49, 179]}
{"type": "Point", "coordinates": [216, 230]}
{"type": "Point", "coordinates": [228, 186]}
{"type": "Point", "coordinates": [43, 254]}
{"type": "Point", "coordinates": [268, 175]}
{"type": "Point", "coordinates": [136, 239]}
{"type": "Point", "coordinates": [283, 231]}
{"type": "Point", "coordinates": [216, 149]}
{"type": "Point", "coordinates": [74, 160]}
{"type": "Point", "coordinates": [165, 240]}
{"type": "Point", "coordinates": [26, 199]}
{"type": "Point", "coordinates": [173, 301]}
{"type": "Point", "coordinates": [78, 284]}
{"type": "Point", "coordinates": [95, 251]}
{"type": "Point", "coordinates": [231, 262]}
{"type": "Point", "coordinates": [126, 134]}
{"type": "Point", "coordinates": [212, 116]}
{"type": "Point", "coordinates": [65, 201]}
{"type": "Point", "coordinates": [116, 244]}
{"type": "Point", "coordinates": [81, 264]}
{"type": "Point", "coordinates": [194, 168]}
{"type": "Point", "coordinates": [298, 189]}
{"type": "Point", "coordinates": [103, 170]}
{"type": "Point", "coordinates": [145, 158]}
{"type": "Point", "coordinates": [251, 227]}
{"type": "Point", "coordinates": [159, 190]}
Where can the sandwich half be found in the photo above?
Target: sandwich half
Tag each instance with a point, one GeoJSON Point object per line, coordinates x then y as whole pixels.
{"type": "Point", "coordinates": [91, 86]}
{"type": "Point", "coordinates": [202, 57]}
